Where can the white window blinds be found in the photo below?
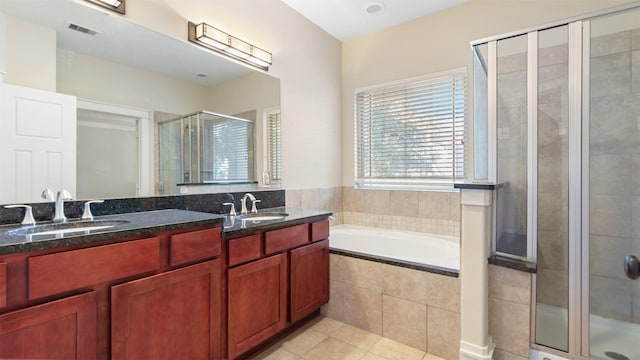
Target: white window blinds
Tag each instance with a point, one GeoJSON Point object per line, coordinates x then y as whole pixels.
{"type": "Point", "coordinates": [227, 150]}
{"type": "Point", "coordinates": [273, 156]}
{"type": "Point", "coordinates": [411, 134]}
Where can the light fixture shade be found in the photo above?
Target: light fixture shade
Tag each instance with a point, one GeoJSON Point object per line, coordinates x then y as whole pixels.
{"type": "Point", "coordinates": [114, 5]}
{"type": "Point", "coordinates": [215, 39]}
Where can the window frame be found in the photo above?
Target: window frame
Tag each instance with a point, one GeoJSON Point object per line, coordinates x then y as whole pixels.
{"type": "Point", "coordinates": [421, 183]}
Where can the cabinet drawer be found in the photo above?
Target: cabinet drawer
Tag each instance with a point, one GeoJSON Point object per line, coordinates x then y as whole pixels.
{"type": "Point", "coordinates": [320, 230]}
{"type": "Point", "coordinates": [244, 249]}
{"type": "Point", "coordinates": [193, 246]}
{"type": "Point", "coordinates": [3, 284]}
{"type": "Point", "coordinates": [287, 238]}
{"type": "Point", "coordinates": [55, 273]}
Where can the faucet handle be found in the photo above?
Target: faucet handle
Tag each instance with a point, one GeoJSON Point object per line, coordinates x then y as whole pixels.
{"type": "Point", "coordinates": [253, 205]}
{"type": "Point", "coordinates": [232, 211]}
{"type": "Point", "coordinates": [28, 214]}
{"type": "Point", "coordinates": [86, 213]}
{"type": "Point", "coordinates": [64, 193]}
{"type": "Point", "coordinates": [47, 194]}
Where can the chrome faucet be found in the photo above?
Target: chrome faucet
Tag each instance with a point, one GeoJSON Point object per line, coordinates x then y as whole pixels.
{"type": "Point", "coordinates": [60, 198]}
{"type": "Point", "coordinates": [243, 202]}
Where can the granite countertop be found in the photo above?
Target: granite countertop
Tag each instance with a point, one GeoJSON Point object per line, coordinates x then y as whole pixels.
{"type": "Point", "coordinates": [238, 225]}
{"type": "Point", "coordinates": [149, 222]}
{"type": "Point", "coordinates": [139, 223]}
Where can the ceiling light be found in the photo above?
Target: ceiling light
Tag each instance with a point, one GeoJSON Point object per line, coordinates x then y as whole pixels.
{"type": "Point", "coordinates": [215, 39]}
{"type": "Point", "coordinates": [374, 7]}
{"type": "Point", "coordinates": [114, 5]}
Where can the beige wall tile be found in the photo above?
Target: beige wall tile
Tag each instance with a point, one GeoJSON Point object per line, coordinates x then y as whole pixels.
{"type": "Point", "coordinates": [611, 75]}
{"type": "Point", "coordinates": [454, 206]}
{"type": "Point", "coordinates": [363, 309]}
{"type": "Point", "coordinates": [404, 203]}
{"type": "Point", "coordinates": [393, 350]}
{"type": "Point", "coordinates": [611, 215]}
{"type": "Point", "coordinates": [443, 333]}
{"type": "Point", "coordinates": [606, 255]}
{"type": "Point", "coordinates": [404, 283]}
{"type": "Point", "coordinates": [509, 325]}
{"type": "Point", "coordinates": [635, 71]}
{"type": "Point", "coordinates": [337, 268]}
{"type": "Point", "coordinates": [552, 287]}
{"type": "Point", "coordinates": [443, 292]}
{"type": "Point", "coordinates": [335, 308]}
{"type": "Point", "coordinates": [331, 348]}
{"type": "Point", "coordinates": [362, 273]}
{"type": "Point", "coordinates": [293, 198]}
{"type": "Point", "coordinates": [635, 39]}
{"type": "Point", "coordinates": [611, 44]}
{"type": "Point", "coordinates": [431, 357]}
{"type": "Point", "coordinates": [553, 250]}
{"type": "Point", "coordinates": [377, 202]}
{"type": "Point", "coordinates": [405, 322]}
{"type": "Point", "coordinates": [635, 298]}
{"type": "Point", "coordinates": [510, 285]}
{"type": "Point", "coordinates": [610, 297]}
{"type": "Point", "coordinates": [434, 205]}
{"type": "Point", "coordinates": [609, 174]}
{"type": "Point", "coordinates": [355, 336]}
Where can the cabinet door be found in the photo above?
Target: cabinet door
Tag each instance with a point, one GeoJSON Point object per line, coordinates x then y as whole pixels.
{"type": "Point", "coordinates": [61, 329]}
{"type": "Point", "coordinates": [309, 279]}
{"type": "Point", "coordinates": [173, 315]}
{"type": "Point", "coordinates": [257, 302]}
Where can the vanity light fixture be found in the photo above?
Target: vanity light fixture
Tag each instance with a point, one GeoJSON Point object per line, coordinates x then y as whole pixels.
{"type": "Point", "coordinates": [113, 5]}
{"type": "Point", "coordinates": [214, 39]}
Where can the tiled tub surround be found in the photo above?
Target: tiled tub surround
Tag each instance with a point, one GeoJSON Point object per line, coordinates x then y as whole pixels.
{"type": "Point", "coordinates": [414, 307]}
{"type": "Point", "coordinates": [434, 212]}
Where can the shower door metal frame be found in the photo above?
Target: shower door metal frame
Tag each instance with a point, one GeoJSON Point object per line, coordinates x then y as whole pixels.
{"type": "Point", "coordinates": [579, 32]}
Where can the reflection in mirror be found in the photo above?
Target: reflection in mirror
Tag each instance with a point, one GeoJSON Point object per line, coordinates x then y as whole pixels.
{"type": "Point", "coordinates": [128, 66]}
{"type": "Point", "coordinates": [206, 148]}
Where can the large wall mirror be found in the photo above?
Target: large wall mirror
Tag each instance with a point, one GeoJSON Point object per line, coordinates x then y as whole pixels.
{"type": "Point", "coordinates": [129, 81]}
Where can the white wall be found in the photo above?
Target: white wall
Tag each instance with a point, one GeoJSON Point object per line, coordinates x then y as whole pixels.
{"type": "Point", "coordinates": [95, 79]}
{"type": "Point", "coordinates": [305, 58]}
{"type": "Point", "coordinates": [438, 42]}
{"type": "Point", "coordinates": [30, 49]}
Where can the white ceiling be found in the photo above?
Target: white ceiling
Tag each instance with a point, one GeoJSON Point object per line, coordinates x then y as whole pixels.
{"type": "Point", "coordinates": [348, 19]}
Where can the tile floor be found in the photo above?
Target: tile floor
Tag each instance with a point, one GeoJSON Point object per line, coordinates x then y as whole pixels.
{"type": "Point", "coordinates": [327, 339]}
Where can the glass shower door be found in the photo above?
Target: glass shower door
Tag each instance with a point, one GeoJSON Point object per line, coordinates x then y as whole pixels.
{"type": "Point", "coordinates": [612, 218]}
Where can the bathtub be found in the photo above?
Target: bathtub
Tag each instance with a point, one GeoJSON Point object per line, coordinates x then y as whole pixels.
{"type": "Point", "coordinates": [430, 251]}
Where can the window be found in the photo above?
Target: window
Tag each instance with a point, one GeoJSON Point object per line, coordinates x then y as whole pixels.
{"type": "Point", "coordinates": [410, 134]}
{"type": "Point", "coordinates": [272, 155]}
{"type": "Point", "coordinates": [227, 150]}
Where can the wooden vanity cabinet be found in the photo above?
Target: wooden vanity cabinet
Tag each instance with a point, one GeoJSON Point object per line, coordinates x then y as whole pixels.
{"type": "Point", "coordinates": [138, 298]}
{"type": "Point", "coordinates": [257, 307]}
{"type": "Point", "coordinates": [288, 281]}
{"type": "Point", "coordinates": [309, 279]}
{"type": "Point", "coordinates": [61, 329]}
{"type": "Point", "coordinates": [173, 315]}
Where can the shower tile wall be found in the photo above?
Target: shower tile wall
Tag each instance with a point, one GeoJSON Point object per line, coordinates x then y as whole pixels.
{"type": "Point", "coordinates": [614, 173]}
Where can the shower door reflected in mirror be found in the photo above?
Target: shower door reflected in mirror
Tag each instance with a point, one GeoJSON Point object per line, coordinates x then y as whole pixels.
{"type": "Point", "coordinates": [614, 183]}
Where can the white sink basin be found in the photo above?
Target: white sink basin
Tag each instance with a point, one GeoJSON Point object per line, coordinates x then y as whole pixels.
{"type": "Point", "coordinates": [264, 216]}
{"type": "Point", "coordinates": [66, 228]}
